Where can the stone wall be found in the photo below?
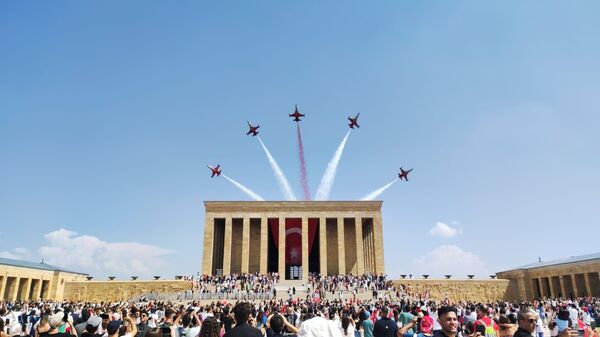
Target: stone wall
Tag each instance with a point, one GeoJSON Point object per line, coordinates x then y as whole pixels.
{"type": "Point", "coordinates": [98, 291]}
{"type": "Point", "coordinates": [457, 290]}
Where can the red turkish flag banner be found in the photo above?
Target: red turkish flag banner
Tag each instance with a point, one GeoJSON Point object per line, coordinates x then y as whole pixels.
{"type": "Point", "coordinates": [293, 238]}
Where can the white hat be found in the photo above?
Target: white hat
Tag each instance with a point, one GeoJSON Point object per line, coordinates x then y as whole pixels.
{"type": "Point", "coordinates": [56, 320]}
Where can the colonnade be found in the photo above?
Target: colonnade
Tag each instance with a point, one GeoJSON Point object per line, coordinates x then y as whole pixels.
{"type": "Point", "coordinates": [13, 288]}
{"type": "Point", "coordinates": [237, 238]}
{"type": "Point", "coordinates": [569, 285]}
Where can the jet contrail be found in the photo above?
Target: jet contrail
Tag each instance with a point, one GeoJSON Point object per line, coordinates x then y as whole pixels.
{"type": "Point", "coordinates": [303, 174]}
{"type": "Point", "coordinates": [329, 175]}
{"type": "Point", "coordinates": [281, 179]}
{"type": "Point", "coordinates": [378, 191]}
{"type": "Point", "coordinates": [244, 189]}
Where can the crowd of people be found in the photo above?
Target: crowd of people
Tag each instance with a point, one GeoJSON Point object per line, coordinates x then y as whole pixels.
{"type": "Point", "coordinates": [375, 317]}
{"type": "Point", "coordinates": [238, 282]}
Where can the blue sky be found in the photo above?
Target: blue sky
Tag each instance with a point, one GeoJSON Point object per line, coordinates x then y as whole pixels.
{"type": "Point", "coordinates": [110, 112]}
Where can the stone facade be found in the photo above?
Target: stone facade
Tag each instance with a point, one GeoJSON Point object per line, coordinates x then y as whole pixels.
{"type": "Point", "coordinates": [460, 290]}
{"type": "Point", "coordinates": [572, 277]}
{"type": "Point", "coordinates": [30, 283]}
{"type": "Point", "coordinates": [236, 237]}
{"type": "Point", "coordinates": [98, 291]}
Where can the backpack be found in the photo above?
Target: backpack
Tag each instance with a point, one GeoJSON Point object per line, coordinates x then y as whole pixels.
{"type": "Point", "coordinates": [489, 330]}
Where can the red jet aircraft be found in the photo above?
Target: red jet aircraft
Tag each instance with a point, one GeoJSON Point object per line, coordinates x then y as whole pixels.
{"type": "Point", "coordinates": [296, 114]}
{"type": "Point", "coordinates": [215, 170]}
{"type": "Point", "coordinates": [404, 174]}
{"type": "Point", "coordinates": [253, 129]}
{"type": "Point", "coordinates": [354, 121]}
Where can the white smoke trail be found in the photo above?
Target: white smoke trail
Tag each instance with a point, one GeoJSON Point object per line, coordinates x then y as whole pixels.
{"type": "Point", "coordinates": [244, 189]}
{"type": "Point", "coordinates": [378, 191]}
{"type": "Point", "coordinates": [281, 179]}
{"type": "Point", "coordinates": [329, 175]}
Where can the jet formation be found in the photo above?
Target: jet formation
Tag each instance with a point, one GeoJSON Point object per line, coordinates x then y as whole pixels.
{"type": "Point", "coordinates": [252, 129]}
{"type": "Point", "coordinates": [296, 114]}
{"type": "Point", "coordinates": [404, 174]}
{"type": "Point", "coordinates": [354, 121]}
{"type": "Point", "coordinates": [215, 170]}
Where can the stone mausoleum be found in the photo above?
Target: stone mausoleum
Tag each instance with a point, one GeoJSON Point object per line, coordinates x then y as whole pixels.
{"type": "Point", "coordinates": [293, 238]}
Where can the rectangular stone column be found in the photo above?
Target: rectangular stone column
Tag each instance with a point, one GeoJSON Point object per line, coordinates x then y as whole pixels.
{"type": "Point", "coordinates": [360, 256]}
{"type": "Point", "coordinates": [305, 248]}
{"type": "Point", "coordinates": [341, 248]}
{"type": "Point", "coordinates": [587, 284]}
{"type": "Point", "coordinates": [378, 243]}
{"type": "Point", "coordinates": [245, 244]}
{"type": "Point", "coordinates": [25, 294]}
{"type": "Point", "coordinates": [323, 245]}
{"type": "Point", "coordinates": [550, 287]}
{"type": "Point", "coordinates": [3, 286]}
{"type": "Point", "coordinates": [574, 282]}
{"type": "Point", "coordinates": [13, 296]}
{"type": "Point", "coordinates": [207, 248]}
{"type": "Point", "coordinates": [264, 244]}
{"type": "Point", "coordinates": [540, 283]}
{"type": "Point", "coordinates": [38, 290]}
{"type": "Point", "coordinates": [521, 286]}
{"type": "Point", "coordinates": [562, 286]}
{"type": "Point", "coordinates": [367, 250]}
{"type": "Point", "coordinates": [227, 246]}
{"type": "Point", "coordinates": [281, 248]}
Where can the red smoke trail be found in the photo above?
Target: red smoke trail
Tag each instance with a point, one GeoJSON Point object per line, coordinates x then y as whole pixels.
{"type": "Point", "coordinates": [303, 175]}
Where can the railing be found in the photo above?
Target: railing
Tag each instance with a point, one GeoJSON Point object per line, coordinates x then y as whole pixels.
{"type": "Point", "coordinates": [206, 296]}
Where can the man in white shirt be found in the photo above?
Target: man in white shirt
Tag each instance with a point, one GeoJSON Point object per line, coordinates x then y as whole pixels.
{"type": "Point", "coordinates": [319, 327]}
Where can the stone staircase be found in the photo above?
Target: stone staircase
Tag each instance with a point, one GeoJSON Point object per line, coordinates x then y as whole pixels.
{"type": "Point", "coordinates": [302, 291]}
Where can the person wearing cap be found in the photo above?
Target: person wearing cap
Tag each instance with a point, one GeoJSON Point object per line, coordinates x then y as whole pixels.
{"type": "Point", "coordinates": [125, 327]}
{"type": "Point", "coordinates": [385, 327]}
{"type": "Point", "coordinates": [112, 330]}
{"type": "Point", "coordinates": [91, 327]}
{"type": "Point", "coordinates": [80, 326]}
{"type": "Point", "coordinates": [56, 321]}
{"type": "Point", "coordinates": [367, 324]}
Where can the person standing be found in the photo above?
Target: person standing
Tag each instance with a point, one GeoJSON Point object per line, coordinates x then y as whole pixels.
{"type": "Point", "coordinates": [527, 320]}
{"type": "Point", "coordinates": [448, 320]}
{"type": "Point", "coordinates": [241, 311]}
{"type": "Point", "coordinates": [385, 327]}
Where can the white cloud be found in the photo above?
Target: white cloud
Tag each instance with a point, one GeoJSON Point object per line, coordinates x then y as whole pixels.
{"type": "Point", "coordinates": [450, 259]}
{"type": "Point", "coordinates": [89, 254]}
{"type": "Point", "coordinates": [444, 230]}
{"type": "Point", "coordinates": [18, 253]}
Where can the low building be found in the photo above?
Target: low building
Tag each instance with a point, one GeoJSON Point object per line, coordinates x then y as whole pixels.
{"type": "Point", "coordinates": [23, 280]}
{"type": "Point", "coordinates": [576, 276]}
